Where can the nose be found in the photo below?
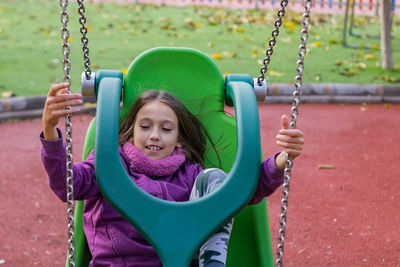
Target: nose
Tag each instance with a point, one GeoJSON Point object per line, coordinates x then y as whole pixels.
{"type": "Point", "coordinates": [154, 135]}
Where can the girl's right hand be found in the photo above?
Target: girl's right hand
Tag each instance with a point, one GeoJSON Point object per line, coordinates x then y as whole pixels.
{"type": "Point", "coordinates": [57, 101]}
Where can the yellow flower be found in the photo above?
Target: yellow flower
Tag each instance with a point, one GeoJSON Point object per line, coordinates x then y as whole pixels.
{"type": "Point", "coordinates": [124, 71]}
{"type": "Point", "coordinates": [88, 27]}
{"type": "Point", "coordinates": [69, 39]}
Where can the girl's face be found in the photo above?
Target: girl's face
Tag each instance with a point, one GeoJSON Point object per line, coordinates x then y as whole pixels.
{"type": "Point", "coordinates": [155, 132]}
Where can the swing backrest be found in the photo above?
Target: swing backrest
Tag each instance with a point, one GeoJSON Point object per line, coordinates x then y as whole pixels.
{"type": "Point", "coordinates": [196, 81]}
{"type": "Point", "coordinates": [189, 76]}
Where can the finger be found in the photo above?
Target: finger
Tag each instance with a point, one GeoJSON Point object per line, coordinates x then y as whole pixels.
{"type": "Point", "coordinates": [63, 112]}
{"type": "Point", "coordinates": [63, 98]}
{"type": "Point", "coordinates": [286, 145]}
{"type": "Point", "coordinates": [285, 122]}
{"type": "Point", "coordinates": [290, 139]}
{"type": "Point", "coordinates": [54, 89]}
{"type": "Point", "coordinates": [64, 104]}
{"type": "Point", "coordinates": [292, 150]}
{"type": "Point", "coordinates": [291, 132]}
{"type": "Point", "coordinates": [64, 91]}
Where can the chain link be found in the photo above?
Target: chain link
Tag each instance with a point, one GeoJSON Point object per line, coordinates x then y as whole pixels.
{"type": "Point", "coordinates": [294, 114]}
{"type": "Point", "coordinates": [84, 39]}
{"type": "Point", "coordinates": [272, 42]}
{"type": "Point", "coordinates": [68, 135]}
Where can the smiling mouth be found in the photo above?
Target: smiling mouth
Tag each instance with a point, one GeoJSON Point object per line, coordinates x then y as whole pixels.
{"type": "Point", "coordinates": [153, 148]}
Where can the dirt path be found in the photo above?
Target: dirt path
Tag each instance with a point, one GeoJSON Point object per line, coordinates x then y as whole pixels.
{"type": "Point", "coordinates": [347, 216]}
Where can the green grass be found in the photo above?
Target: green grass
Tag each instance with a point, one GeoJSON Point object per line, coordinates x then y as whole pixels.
{"type": "Point", "coordinates": [30, 43]}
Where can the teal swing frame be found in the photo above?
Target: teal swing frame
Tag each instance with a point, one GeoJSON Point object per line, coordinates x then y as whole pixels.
{"type": "Point", "coordinates": [176, 230]}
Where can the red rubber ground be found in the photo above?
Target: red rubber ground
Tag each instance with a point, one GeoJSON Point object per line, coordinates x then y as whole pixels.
{"type": "Point", "coordinates": [347, 216]}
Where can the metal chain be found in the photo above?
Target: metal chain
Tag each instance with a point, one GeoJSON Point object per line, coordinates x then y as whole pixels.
{"type": "Point", "coordinates": [272, 42]}
{"type": "Point", "coordinates": [294, 114]}
{"type": "Point", "coordinates": [84, 39]}
{"type": "Point", "coordinates": [68, 136]}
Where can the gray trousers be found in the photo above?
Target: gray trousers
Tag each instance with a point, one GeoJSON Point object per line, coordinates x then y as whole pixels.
{"type": "Point", "coordinates": [213, 253]}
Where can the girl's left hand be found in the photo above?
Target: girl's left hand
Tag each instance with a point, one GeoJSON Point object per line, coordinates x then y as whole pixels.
{"type": "Point", "coordinates": [291, 140]}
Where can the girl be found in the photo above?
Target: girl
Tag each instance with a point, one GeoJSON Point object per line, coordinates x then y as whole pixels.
{"type": "Point", "coordinates": [162, 147]}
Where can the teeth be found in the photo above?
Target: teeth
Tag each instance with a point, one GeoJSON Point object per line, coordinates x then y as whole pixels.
{"type": "Point", "coordinates": [153, 148]}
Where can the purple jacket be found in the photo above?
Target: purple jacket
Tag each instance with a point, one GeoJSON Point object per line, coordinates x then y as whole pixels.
{"type": "Point", "coordinates": [111, 239]}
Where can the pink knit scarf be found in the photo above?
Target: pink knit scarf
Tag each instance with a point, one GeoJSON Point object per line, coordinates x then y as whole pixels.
{"type": "Point", "coordinates": [140, 163]}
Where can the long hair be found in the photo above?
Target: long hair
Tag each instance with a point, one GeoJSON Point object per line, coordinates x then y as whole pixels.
{"type": "Point", "coordinates": [192, 133]}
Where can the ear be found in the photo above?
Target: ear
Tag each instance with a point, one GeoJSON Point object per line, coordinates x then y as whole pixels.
{"type": "Point", "coordinates": [179, 145]}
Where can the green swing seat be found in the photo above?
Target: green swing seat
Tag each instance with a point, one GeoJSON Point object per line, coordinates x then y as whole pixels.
{"type": "Point", "coordinates": [177, 229]}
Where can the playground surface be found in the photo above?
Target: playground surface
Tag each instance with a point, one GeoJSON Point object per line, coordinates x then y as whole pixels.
{"type": "Point", "coordinates": [343, 204]}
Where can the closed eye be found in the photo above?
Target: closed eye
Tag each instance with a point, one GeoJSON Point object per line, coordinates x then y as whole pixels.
{"type": "Point", "coordinates": [166, 129]}
{"type": "Point", "coordinates": [144, 126]}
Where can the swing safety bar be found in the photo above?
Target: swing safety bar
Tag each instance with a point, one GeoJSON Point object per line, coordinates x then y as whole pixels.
{"type": "Point", "coordinates": [90, 87]}
{"type": "Point", "coordinates": [176, 230]}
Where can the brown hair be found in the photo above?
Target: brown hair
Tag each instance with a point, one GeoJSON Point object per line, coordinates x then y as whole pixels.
{"type": "Point", "coordinates": [192, 133]}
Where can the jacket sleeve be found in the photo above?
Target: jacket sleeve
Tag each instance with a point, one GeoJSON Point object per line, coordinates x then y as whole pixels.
{"type": "Point", "coordinates": [271, 177]}
{"type": "Point", "coordinates": [53, 155]}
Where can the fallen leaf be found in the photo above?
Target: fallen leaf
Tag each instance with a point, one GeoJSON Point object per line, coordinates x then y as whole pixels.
{"type": "Point", "coordinates": [290, 25]}
{"type": "Point", "coordinates": [316, 44]}
{"type": "Point", "coordinates": [388, 79]}
{"type": "Point", "coordinates": [369, 57]}
{"type": "Point", "coordinates": [240, 30]}
{"type": "Point", "coordinates": [325, 166]}
{"type": "Point", "coordinates": [387, 105]}
{"type": "Point", "coordinates": [361, 65]}
{"type": "Point", "coordinates": [7, 94]}
{"type": "Point", "coordinates": [375, 47]}
{"type": "Point", "coordinates": [287, 39]}
{"type": "Point", "coordinates": [216, 56]}
{"type": "Point", "coordinates": [339, 62]}
{"type": "Point", "coordinates": [348, 73]}
{"type": "Point", "coordinates": [302, 250]}
{"type": "Point", "coordinates": [274, 73]}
